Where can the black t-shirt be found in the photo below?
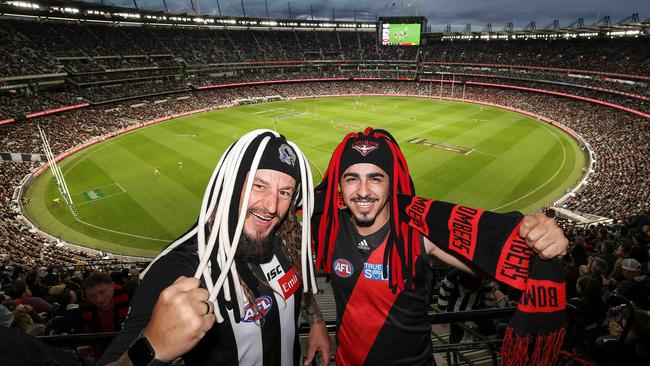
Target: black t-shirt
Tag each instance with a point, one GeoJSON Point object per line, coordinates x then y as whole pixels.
{"type": "Point", "coordinates": [266, 337]}
{"type": "Point", "coordinates": [375, 326]}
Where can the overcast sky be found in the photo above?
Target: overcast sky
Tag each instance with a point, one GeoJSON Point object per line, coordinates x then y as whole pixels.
{"type": "Point", "coordinates": [439, 12]}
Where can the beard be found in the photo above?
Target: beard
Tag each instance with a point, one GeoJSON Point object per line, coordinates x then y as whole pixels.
{"type": "Point", "coordinates": [255, 250]}
{"type": "Point", "coordinates": [364, 219]}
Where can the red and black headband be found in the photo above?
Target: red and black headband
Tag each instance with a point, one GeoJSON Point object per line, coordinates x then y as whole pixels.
{"type": "Point", "coordinates": [366, 149]}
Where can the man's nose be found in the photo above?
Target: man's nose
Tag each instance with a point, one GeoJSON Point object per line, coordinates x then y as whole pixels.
{"type": "Point", "coordinates": [363, 188]}
{"type": "Point", "coordinates": [271, 202]}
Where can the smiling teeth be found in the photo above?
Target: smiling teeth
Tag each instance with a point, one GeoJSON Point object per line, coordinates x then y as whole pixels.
{"type": "Point", "coordinates": [262, 217]}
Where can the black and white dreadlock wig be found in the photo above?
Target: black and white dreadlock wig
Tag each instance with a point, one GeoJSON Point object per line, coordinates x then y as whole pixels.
{"type": "Point", "coordinates": [377, 147]}
{"type": "Point", "coordinates": [220, 223]}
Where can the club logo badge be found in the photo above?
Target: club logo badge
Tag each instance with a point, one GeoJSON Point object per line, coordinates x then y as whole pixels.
{"type": "Point", "coordinates": [365, 147]}
{"type": "Point", "coordinates": [287, 155]}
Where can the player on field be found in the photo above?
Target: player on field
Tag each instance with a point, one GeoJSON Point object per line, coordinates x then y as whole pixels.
{"type": "Point", "coordinates": [180, 167]}
{"type": "Point", "coordinates": [156, 172]}
{"type": "Point", "coordinates": [373, 239]}
{"type": "Point", "coordinates": [230, 290]}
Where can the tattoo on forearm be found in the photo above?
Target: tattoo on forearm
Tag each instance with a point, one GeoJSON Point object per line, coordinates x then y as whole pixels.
{"type": "Point", "coordinates": [310, 310]}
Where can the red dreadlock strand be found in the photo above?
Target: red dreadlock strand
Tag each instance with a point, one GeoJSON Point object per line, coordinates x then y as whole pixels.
{"type": "Point", "coordinates": [406, 238]}
{"type": "Point", "coordinates": [330, 218]}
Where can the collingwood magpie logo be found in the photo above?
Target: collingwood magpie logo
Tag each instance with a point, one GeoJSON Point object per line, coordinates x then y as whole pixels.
{"type": "Point", "coordinates": [363, 245]}
{"type": "Point", "coordinates": [287, 155]}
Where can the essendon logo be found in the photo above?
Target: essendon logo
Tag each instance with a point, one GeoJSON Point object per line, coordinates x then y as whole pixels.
{"type": "Point", "coordinates": [343, 268]}
{"type": "Point", "coordinates": [512, 268]}
{"type": "Point", "coordinates": [264, 305]}
{"type": "Point", "coordinates": [463, 229]}
{"type": "Point", "coordinates": [365, 147]}
{"type": "Point", "coordinates": [417, 211]}
{"type": "Point", "coordinates": [543, 296]}
{"type": "Point", "coordinates": [289, 283]}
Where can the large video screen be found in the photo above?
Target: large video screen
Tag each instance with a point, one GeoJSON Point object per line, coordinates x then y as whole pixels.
{"type": "Point", "coordinates": [400, 34]}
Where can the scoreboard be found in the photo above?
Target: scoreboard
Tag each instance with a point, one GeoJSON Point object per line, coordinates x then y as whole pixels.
{"type": "Point", "coordinates": [400, 31]}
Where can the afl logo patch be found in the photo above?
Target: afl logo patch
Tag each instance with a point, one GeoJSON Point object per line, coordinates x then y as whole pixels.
{"type": "Point", "coordinates": [343, 268]}
{"type": "Point", "coordinates": [264, 304]}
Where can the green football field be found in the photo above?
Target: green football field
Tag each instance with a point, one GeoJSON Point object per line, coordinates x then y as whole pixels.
{"type": "Point", "coordinates": [460, 152]}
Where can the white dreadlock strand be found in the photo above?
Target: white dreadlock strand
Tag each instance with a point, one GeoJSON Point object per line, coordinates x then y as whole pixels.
{"type": "Point", "coordinates": [220, 229]}
{"type": "Point", "coordinates": [218, 196]}
{"type": "Point", "coordinates": [307, 197]}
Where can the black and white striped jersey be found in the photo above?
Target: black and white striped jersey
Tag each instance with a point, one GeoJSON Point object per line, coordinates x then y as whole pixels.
{"type": "Point", "coordinates": [465, 294]}
{"type": "Point", "coordinates": [266, 337]}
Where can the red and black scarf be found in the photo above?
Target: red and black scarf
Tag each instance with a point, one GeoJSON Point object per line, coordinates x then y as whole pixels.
{"type": "Point", "coordinates": [490, 242]}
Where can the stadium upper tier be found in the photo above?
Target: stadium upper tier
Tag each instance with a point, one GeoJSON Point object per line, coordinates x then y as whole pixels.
{"type": "Point", "coordinates": [63, 47]}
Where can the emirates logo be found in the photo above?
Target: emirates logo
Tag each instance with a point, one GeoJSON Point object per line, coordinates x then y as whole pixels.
{"type": "Point", "coordinates": [365, 147]}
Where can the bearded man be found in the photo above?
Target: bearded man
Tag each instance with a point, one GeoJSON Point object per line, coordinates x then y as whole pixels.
{"type": "Point", "coordinates": [229, 291]}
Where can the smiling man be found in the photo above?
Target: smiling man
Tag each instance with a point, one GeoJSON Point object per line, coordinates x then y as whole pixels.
{"type": "Point", "coordinates": [373, 239]}
{"type": "Point", "coordinates": [246, 250]}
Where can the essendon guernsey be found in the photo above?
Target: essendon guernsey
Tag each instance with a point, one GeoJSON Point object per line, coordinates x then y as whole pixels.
{"type": "Point", "coordinates": [367, 309]}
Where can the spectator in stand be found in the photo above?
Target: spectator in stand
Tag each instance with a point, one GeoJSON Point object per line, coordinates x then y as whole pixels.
{"type": "Point", "coordinates": [636, 285]}
{"type": "Point", "coordinates": [69, 309]}
{"type": "Point", "coordinates": [622, 252]}
{"type": "Point", "coordinates": [104, 310]}
{"type": "Point", "coordinates": [21, 294]}
{"type": "Point", "coordinates": [51, 278]}
{"type": "Point", "coordinates": [591, 306]}
{"type": "Point", "coordinates": [461, 291]}
{"type": "Point", "coordinates": [106, 305]}
{"type": "Point", "coordinates": [633, 349]}
{"type": "Point", "coordinates": [6, 317]}
{"type": "Point", "coordinates": [606, 253]}
{"type": "Point", "coordinates": [578, 252]}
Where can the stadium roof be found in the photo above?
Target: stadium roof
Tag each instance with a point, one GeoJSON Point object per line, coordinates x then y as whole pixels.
{"type": "Point", "coordinates": [631, 26]}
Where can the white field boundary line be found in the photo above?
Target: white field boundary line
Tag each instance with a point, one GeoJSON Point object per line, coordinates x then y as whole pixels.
{"type": "Point", "coordinates": [549, 180]}
{"type": "Point", "coordinates": [90, 189]}
{"type": "Point", "coordinates": [123, 233]}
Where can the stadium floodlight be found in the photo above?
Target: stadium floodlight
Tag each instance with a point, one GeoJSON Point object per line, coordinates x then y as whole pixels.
{"type": "Point", "coordinates": [23, 4]}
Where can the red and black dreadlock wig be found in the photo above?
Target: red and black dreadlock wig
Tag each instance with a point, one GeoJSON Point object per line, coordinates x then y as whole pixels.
{"type": "Point", "coordinates": [376, 147]}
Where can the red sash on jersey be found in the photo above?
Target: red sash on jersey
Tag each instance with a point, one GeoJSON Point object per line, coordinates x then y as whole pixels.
{"type": "Point", "coordinates": [365, 314]}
